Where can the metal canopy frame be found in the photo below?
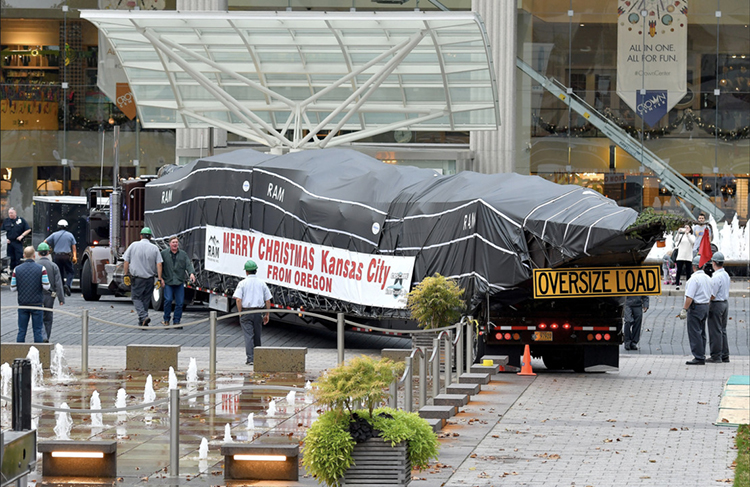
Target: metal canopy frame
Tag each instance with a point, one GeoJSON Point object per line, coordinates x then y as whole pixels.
{"type": "Point", "coordinates": [299, 79]}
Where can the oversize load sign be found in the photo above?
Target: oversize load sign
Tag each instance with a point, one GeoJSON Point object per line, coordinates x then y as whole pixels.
{"type": "Point", "coordinates": [591, 281]}
{"type": "Point", "coordinates": [372, 280]}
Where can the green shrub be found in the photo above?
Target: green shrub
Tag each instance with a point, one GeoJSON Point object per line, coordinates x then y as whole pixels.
{"type": "Point", "coordinates": [436, 302]}
{"type": "Point", "coordinates": [327, 451]}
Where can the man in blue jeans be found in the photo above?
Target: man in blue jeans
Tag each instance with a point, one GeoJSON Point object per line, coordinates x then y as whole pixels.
{"type": "Point", "coordinates": [176, 267]}
{"type": "Point", "coordinates": [30, 281]}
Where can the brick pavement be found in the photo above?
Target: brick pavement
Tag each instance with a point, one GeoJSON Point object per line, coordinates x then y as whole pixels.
{"type": "Point", "coordinates": [650, 424]}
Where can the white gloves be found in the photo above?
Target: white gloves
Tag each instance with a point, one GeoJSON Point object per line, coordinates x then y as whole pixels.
{"type": "Point", "coordinates": [683, 314]}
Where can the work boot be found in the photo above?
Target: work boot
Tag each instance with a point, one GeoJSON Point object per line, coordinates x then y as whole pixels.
{"type": "Point", "coordinates": [67, 290]}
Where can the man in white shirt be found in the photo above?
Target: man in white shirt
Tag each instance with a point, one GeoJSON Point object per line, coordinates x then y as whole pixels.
{"type": "Point", "coordinates": [252, 294]}
{"type": "Point", "coordinates": [695, 309]}
{"type": "Point", "coordinates": [718, 311]}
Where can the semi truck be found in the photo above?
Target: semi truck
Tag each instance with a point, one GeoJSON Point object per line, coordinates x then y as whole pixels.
{"type": "Point", "coordinates": [334, 230]}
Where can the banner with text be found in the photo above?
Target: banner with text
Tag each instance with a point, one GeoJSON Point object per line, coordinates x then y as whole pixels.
{"type": "Point", "coordinates": [652, 56]}
{"type": "Point", "coordinates": [372, 280]}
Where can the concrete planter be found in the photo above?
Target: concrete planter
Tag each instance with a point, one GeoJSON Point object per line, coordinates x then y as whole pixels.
{"type": "Point", "coordinates": [377, 463]}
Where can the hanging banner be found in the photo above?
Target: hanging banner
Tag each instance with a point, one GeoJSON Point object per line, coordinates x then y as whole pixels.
{"type": "Point", "coordinates": [652, 56]}
{"type": "Point", "coordinates": [371, 280]}
{"type": "Point", "coordinates": [125, 101]}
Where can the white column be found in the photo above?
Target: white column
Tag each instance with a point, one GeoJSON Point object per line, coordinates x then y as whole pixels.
{"type": "Point", "coordinates": [494, 151]}
{"type": "Point", "coordinates": [198, 138]}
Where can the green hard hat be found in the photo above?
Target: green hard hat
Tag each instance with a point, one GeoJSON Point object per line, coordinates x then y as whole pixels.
{"type": "Point", "coordinates": [251, 266]}
{"type": "Point", "coordinates": [43, 247]}
{"type": "Point", "coordinates": [146, 231]}
{"type": "Point", "coordinates": [697, 260]}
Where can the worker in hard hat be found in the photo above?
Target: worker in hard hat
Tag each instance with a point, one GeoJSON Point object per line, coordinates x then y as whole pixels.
{"type": "Point", "coordinates": [718, 311]}
{"type": "Point", "coordinates": [252, 294]}
{"type": "Point", "coordinates": [63, 245]}
{"type": "Point", "coordinates": [143, 263]}
{"type": "Point", "coordinates": [56, 286]}
{"type": "Point", "coordinates": [695, 310]}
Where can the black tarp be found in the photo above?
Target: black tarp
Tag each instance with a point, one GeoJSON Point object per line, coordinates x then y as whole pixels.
{"type": "Point", "coordinates": [486, 230]}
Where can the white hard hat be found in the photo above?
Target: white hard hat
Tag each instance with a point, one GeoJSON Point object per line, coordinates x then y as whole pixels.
{"type": "Point", "coordinates": [62, 223]}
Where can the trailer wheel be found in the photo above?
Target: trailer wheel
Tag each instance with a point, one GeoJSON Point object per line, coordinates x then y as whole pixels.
{"type": "Point", "coordinates": [157, 299]}
{"type": "Point", "coordinates": [88, 287]}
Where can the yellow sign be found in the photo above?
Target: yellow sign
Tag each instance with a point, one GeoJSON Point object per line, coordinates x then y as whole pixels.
{"type": "Point", "coordinates": [596, 281]}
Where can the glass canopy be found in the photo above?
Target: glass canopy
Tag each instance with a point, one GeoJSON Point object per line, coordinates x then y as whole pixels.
{"type": "Point", "coordinates": [298, 79]}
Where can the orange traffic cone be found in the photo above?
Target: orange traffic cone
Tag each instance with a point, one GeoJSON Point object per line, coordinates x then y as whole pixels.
{"type": "Point", "coordinates": [526, 362]}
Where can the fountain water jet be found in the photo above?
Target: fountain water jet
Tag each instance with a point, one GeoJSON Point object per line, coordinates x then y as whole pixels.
{"type": "Point", "coordinates": [121, 402]}
{"type": "Point", "coordinates": [227, 433]}
{"type": "Point", "coordinates": [6, 373]}
{"type": "Point", "coordinates": [37, 372]}
{"type": "Point", "coordinates": [96, 403]}
{"type": "Point", "coordinates": [203, 449]}
{"type": "Point", "coordinates": [272, 407]}
{"type": "Point", "coordinates": [192, 372]}
{"type": "Point", "coordinates": [291, 397]}
{"type": "Point", "coordinates": [59, 366]}
{"type": "Point", "coordinates": [172, 378]}
{"type": "Point", "coordinates": [149, 395]}
{"type": "Point", "coordinates": [251, 421]}
{"type": "Point", "coordinates": [63, 423]}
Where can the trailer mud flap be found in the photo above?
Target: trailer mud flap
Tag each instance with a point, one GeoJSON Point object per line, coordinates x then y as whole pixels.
{"type": "Point", "coordinates": [219, 303]}
{"type": "Point", "coordinates": [601, 358]}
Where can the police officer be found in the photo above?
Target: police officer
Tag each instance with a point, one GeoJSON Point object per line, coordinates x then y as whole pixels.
{"type": "Point", "coordinates": [16, 229]}
{"type": "Point", "coordinates": [64, 246]}
{"type": "Point", "coordinates": [252, 293]}
{"type": "Point", "coordinates": [718, 311]}
{"type": "Point", "coordinates": [142, 261]}
{"type": "Point", "coordinates": [56, 286]}
{"type": "Point", "coordinates": [635, 306]}
{"type": "Point", "coordinates": [695, 309]}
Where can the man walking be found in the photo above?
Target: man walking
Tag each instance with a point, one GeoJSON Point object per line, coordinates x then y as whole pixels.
{"type": "Point", "coordinates": [252, 293]}
{"type": "Point", "coordinates": [143, 261]}
{"type": "Point", "coordinates": [30, 280]}
{"type": "Point", "coordinates": [176, 266]}
{"type": "Point", "coordinates": [718, 311]}
{"type": "Point", "coordinates": [695, 309]}
{"type": "Point", "coordinates": [55, 290]}
{"type": "Point", "coordinates": [16, 230]}
{"type": "Point", "coordinates": [635, 306]}
{"type": "Point", "coordinates": [64, 246]}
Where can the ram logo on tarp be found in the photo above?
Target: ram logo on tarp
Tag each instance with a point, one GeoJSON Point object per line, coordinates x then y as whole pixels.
{"type": "Point", "coordinates": [589, 282]}
{"type": "Point", "coordinates": [213, 249]}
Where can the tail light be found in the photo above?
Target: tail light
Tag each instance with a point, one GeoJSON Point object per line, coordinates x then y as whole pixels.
{"type": "Point", "coordinates": [499, 336]}
{"type": "Point", "coordinates": [516, 336]}
{"type": "Point", "coordinates": [554, 326]}
{"type": "Point", "coordinates": [606, 336]}
{"type": "Point", "coordinates": [598, 336]}
{"type": "Point", "coordinates": [542, 326]}
{"type": "Point", "coordinates": [507, 336]}
{"type": "Point", "coordinates": [96, 242]}
{"type": "Point", "coordinates": [590, 337]}
{"type": "Point", "coordinates": [566, 326]}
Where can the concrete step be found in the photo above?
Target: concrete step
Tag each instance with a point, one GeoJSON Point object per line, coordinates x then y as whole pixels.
{"type": "Point", "coordinates": [436, 424]}
{"type": "Point", "coordinates": [469, 389]}
{"type": "Point", "coordinates": [439, 412]}
{"type": "Point", "coordinates": [457, 400]}
{"type": "Point", "coordinates": [485, 369]}
{"type": "Point", "coordinates": [496, 359]}
{"type": "Point", "coordinates": [474, 379]}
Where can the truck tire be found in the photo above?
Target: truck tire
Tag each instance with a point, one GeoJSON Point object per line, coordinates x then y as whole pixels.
{"type": "Point", "coordinates": [88, 287]}
{"type": "Point", "coordinates": [157, 299]}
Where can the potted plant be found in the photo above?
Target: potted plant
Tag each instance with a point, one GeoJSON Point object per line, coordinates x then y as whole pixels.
{"type": "Point", "coordinates": [435, 302]}
{"type": "Point", "coordinates": [344, 434]}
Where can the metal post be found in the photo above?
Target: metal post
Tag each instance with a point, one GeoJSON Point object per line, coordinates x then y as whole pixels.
{"type": "Point", "coordinates": [448, 360]}
{"type": "Point", "coordinates": [436, 368]}
{"type": "Point", "coordinates": [340, 336]}
{"type": "Point", "coordinates": [21, 395]}
{"type": "Point", "coordinates": [460, 353]}
{"type": "Point", "coordinates": [212, 346]}
{"type": "Point", "coordinates": [408, 385]}
{"type": "Point", "coordinates": [393, 399]}
{"type": "Point", "coordinates": [469, 340]}
{"type": "Point", "coordinates": [423, 380]}
{"type": "Point", "coordinates": [85, 342]}
{"type": "Point", "coordinates": [174, 432]}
